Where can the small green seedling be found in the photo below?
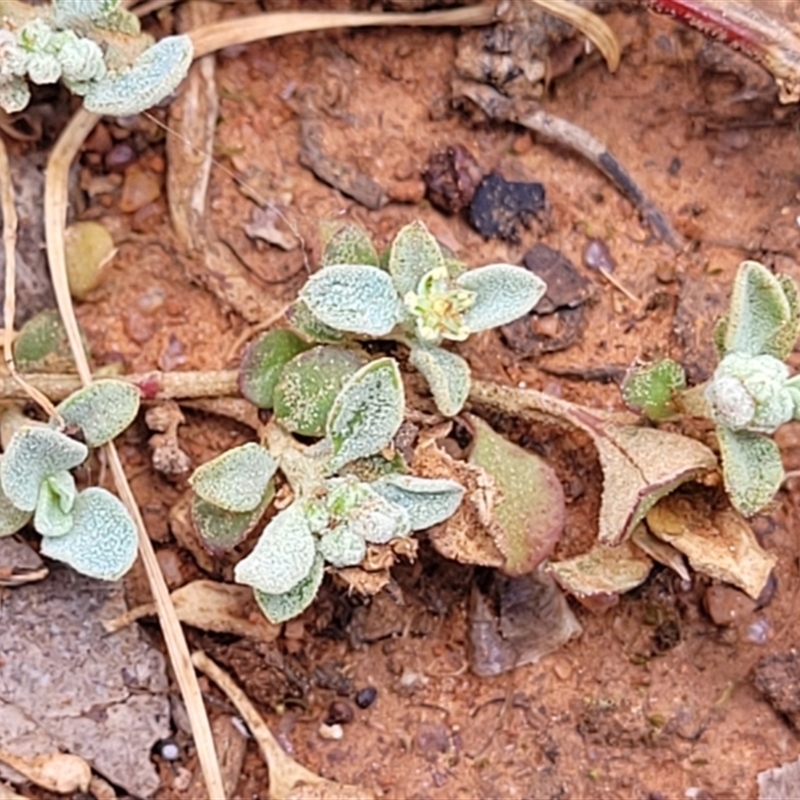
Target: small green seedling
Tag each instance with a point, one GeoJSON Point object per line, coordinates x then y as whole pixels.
{"type": "Point", "coordinates": [95, 46]}
{"type": "Point", "coordinates": [347, 495]}
{"type": "Point", "coordinates": [750, 394]}
{"type": "Point", "coordinates": [417, 294]}
{"type": "Point", "coordinates": [90, 530]}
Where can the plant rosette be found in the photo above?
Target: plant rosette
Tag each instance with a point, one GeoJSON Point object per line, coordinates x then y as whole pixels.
{"type": "Point", "coordinates": [750, 394]}
{"type": "Point", "coordinates": [90, 530]}
{"type": "Point", "coordinates": [334, 516]}
{"type": "Point", "coordinates": [416, 294]}
{"type": "Point", "coordinates": [96, 47]}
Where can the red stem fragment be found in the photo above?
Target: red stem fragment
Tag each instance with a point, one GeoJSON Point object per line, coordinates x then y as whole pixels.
{"type": "Point", "coordinates": [759, 35]}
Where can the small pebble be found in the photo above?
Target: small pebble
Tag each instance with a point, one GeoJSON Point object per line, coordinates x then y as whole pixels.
{"type": "Point", "coordinates": [339, 712]}
{"type": "Point", "coordinates": [366, 697]}
{"type": "Point", "coordinates": [138, 327]}
{"type": "Point", "coordinates": [331, 732]}
{"type": "Point", "coordinates": [119, 157]}
{"type": "Point", "coordinates": [169, 750]}
{"type": "Point", "coordinates": [138, 189]}
{"type": "Point", "coordinates": [174, 354]}
{"type": "Point", "coordinates": [596, 255]}
{"type": "Point", "coordinates": [726, 605]}
{"type": "Point", "coordinates": [759, 631]}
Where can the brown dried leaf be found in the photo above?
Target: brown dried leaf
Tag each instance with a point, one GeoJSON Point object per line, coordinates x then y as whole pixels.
{"type": "Point", "coordinates": [471, 535]}
{"type": "Point", "coordinates": [603, 570]}
{"type": "Point", "coordinates": [211, 606]}
{"type": "Point", "coordinates": [717, 542]}
{"type": "Point", "coordinates": [640, 465]}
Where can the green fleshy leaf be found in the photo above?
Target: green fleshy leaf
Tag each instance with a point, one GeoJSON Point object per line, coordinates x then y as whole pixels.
{"type": "Point", "coordinates": [237, 479]}
{"type": "Point", "coordinates": [220, 530]}
{"type": "Point", "coordinates": [503, 293]}
{"type": "Point", "coordinates": [348, 244]}
{"type": "Point", "coordinates": [42, 345]}
{"type": "Point", "coordinates": [367, 413]}
{"type": "Point", "coordinates": [102, 410]}
{"type": "Point", "coordinates": [102, 542]}
{"type": "Point", "coordinates": [356, 298]}
{"type": "Point", "coordinates": [651, 388]}
{"type": "Point", "coordinates": [414, 253]}
{"type": "Point", "coordinates": [428, 501]}
{"type": "Point", "coordinates": [263, 360]}
{"type": "Point", "coordinates": [763, 317]}
{"type": "Point", "coordinates": [447, 374]}
{"type": "Point", "coordinates": [303, 319]}
{"type": "Point", "coordinates": [279, 608]}
{"type": "Point", "coordinates": [34, 454]}
{"type": "Point", "coordinates": [12, 519]}
{"type": "Point", "coordinates": [51, 517]}
{"type": "Point", "coordinates": [752, 469]}
{"type": "Point", "coordinates": [343, 547]}
{"type": "Point", "coordinates": [283, 556]}
{"type": "Point", "coordinates": [308, 385]}
{"type": "Point", "coordinates": [155, 74]}
{"type": "Point", "coordinates": [14, 94]}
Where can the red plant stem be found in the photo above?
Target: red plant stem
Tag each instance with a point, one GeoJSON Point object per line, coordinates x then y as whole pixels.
{"type": "Point", "coordinates": [745, 27]}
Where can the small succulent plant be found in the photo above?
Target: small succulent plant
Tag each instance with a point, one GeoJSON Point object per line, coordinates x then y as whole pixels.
{"type": "Point", "coordinates": [417, 294]}
{"type": "Point", "coordinates": [348, 492]}
{"type": "Point", "coordinates": [95, 46]}
{"type": "Point", "coordinates": [90, 530]}
{"type": "Point", "coordinates": [750, 394]}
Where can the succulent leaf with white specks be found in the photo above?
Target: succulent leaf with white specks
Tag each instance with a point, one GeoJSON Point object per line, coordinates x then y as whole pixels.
{"type": "Point", "coordinates": [102, 542]}
{"type": "Point", "coordinates": [237, 479]}
{"type": "Point", "coordinates": [278, 608]}
{"type": "Point", "coordinates": [764, 318]}
{"type": "Point", "coordinates": [343, 547]}
{"type": "Point", "coordinates": [67, 13]}
{"type": "Point", "coordinates": [53, 514]}
{"type": "Point", "coordinates": [349, 244]}
{"type": "Point", "coordinates": [33, 454]}
{"type": "Point", "coordinates": [428, 501]}
{"type": "Point", "coordinates": [14, 94]}
{"type": "Point", "coordinates": [447, 374]}
{"type": "Point", "coordinates": [357, 298]}
{"type": "Point", "coordinates": [750, 393]}
{"type": "Point", "coordinates": [413, 254]}
{"type": "Point", "coordinates": [308, 385]}
{"type": "Point", "coordinates": [283, 556]}
{"type": "Point", "coordinates": [102, 410]}
{"type": "Point", "coordinates": [263, 361]}
{"type": "Point", "coordinates": [365, 512]}
{"type": "Point", "coordinates": [154, 75]}
{"type": "Point", "coordinates": [503, 293]}
{"type": "Point", "coordinates": [220, 530]}
{"type": "Point", "coordinates": [11, 517]}
{"type": "Point", "coordinates": [81, 60]}
{"type": "Point", "coordinates": [751, 467]}
{"type": "Point", "coordinates": [366, 413]}
{"type": "Point", "coordinates": [652, 388]}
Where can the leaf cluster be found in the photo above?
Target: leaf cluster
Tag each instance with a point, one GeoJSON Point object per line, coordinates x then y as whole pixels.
{"type": "Point", "coordinates": [415, 293]}
{"type": "Point", "coordinates": [96, 47]}
{"type": "Point", "coordinates": [90, 530]}
{"type": "Point", "coordinates": [750, 394]}
{"type": "Point", "coordinates": [347, 495]}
